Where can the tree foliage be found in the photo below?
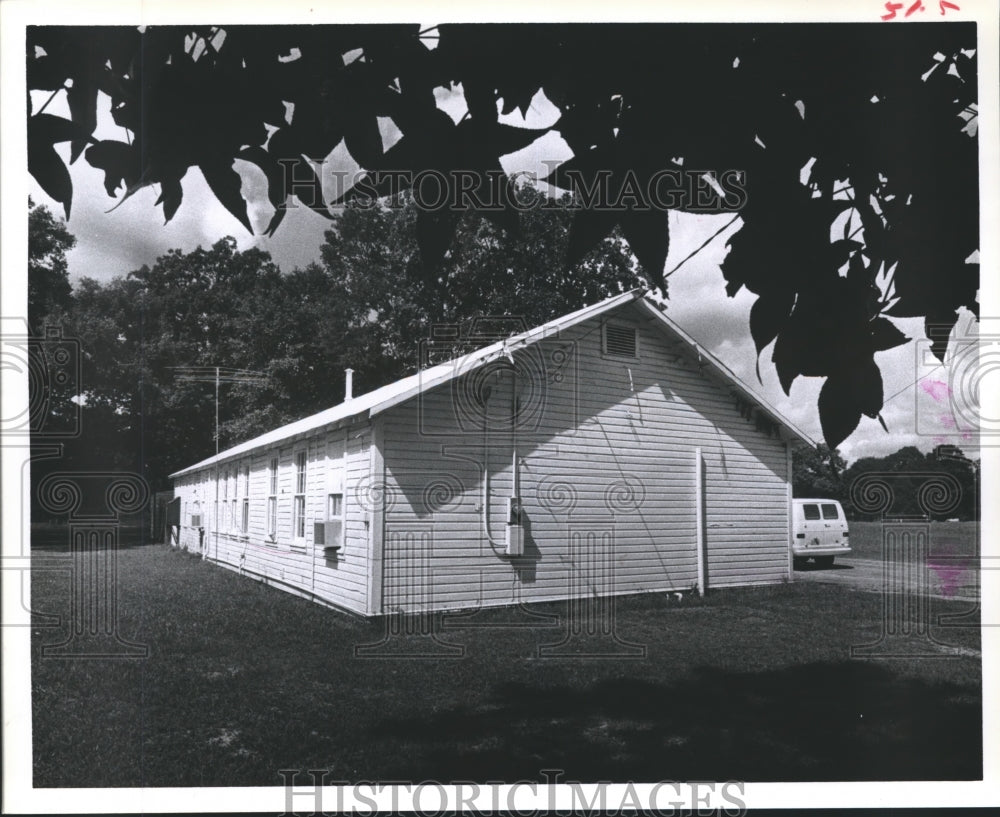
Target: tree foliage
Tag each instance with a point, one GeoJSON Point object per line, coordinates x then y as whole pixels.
{"type": "Point", "coordinates": [371, 258]}
{"type": "Point", "coordinates": [854, 145]}
{"type": "Point", "coordinates": [48, 277]}
{"type": "Point", "coordinates": [818, 472]}
{"type": "Point", "coordinates": [366, 307]}
{"type": "Point", "coordinates": [823, 473]}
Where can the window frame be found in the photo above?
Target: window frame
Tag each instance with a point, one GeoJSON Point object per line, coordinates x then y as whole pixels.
{"type": "Point", "coordinates": [300, 462]}
{"type": "Point", "coordinates": [272, 498]}
{"type": "Point", "coordinates": [244, 521]}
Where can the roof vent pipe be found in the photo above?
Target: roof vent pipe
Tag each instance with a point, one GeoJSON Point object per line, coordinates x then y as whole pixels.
{"type": "Point", "coordinates": [348, 384]}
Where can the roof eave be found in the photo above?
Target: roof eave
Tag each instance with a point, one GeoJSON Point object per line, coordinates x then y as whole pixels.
{"type": "Point", "coordinates": [238, 451]}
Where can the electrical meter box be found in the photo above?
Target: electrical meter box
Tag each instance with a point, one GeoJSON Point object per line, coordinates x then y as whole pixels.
{"type": "Point", "coordinates": [515, 530]}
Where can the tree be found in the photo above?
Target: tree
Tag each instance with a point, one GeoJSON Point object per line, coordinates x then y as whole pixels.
{"type": "Point", "coordinates": [850, 151]}
{"type": "Point", "coordinates": [371, 259]}
{"type": "Point", "coordinates": [48, 278]}
{"type": "Point", "coordinates": [904, 472]}
{"type": "Point", "coordinates": [818, 473]}
{"type": "Point", "coordinates": [365, 308]}
{"type": "Point", "coordinates": [208, 307]}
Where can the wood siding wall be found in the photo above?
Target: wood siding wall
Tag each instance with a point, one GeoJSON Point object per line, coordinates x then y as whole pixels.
{"type": "Point", "coordinates": [606, 451]}
{"type": "Point", "coordinates": [337, 461]}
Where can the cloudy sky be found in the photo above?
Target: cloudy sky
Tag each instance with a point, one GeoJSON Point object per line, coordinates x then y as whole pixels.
{"type": "Point", "coordinates": [920, 396]}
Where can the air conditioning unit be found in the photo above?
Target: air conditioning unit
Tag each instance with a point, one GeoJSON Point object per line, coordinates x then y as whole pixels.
{"type": "Point", "coordinates": [329, 534]}
{"type": "Point", "coordinates": [514, 540]}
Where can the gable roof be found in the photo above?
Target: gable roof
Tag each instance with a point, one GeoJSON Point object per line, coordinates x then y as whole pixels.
{"type": "Point", "coordinates": [381, 399]}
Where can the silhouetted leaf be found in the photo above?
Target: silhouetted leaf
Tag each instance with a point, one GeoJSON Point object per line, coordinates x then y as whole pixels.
{"type": "Point", "coordinates": [865, 387]}
{"type": "Point", "coordinates": [885, 335]}
{"type": "Point", "coordinates": [51, 174]}
{"type": "Point", "coordinates": [648, 234]}
{"type": "Point", "coordinates": [364, 141]}
{"type": "Point", "coordinates": [82, 99]}
{"type": "Point", "coordinates": [841, 250]}
{"type": "Point", "coordinates": [590, 228]}
{"type": "Point", "coordinates": [118, 161]}
{"type": "Point", "coordinates": [170, 197]}
{"type": "Point", "coordinates": [276, 219]}
{"type": "Point", "coordinates": [768, 315]}
{"type": "Point", "coordinates": [297, 176]}
{"type": "Point", "coordinates": [937, 327]}
{"type": "Point", "coordinates": [494, 139]}
{"type": "Point", "coordinates": [46, 127]}
{"type": "Point", "coordinates": [838, 414]}
{"type": "Point", "coordinates": [787, 355]}
{"type": "Point", "coordinates": [225, 184]}
{"type": "Point", "coordinates": [481, 100]}
{"type": "Point", "coordinates": [274, 172]}
{"type": "Point", "coordinates": [316, 127]}
{"type": "Point", "coordinates": [431, 150]}
{"type": "Point", "coordinates": [46, 73]}
{"type": "Point", "coordinates": [580, 172]}
{"type": "Point", "coordinates": [44, 163]}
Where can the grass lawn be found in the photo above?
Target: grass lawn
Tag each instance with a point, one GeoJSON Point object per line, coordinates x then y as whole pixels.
{"type": "Point", "coordinates": [244, 680]}
{"type": "Point", "coordinates": [956, 539]}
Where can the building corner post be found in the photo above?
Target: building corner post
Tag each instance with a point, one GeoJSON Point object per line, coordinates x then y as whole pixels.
{"type": "Point", "coordinates": [699, 505]}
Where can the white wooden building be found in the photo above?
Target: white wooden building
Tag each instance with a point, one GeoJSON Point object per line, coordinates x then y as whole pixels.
{"type": "Point", "coordinates": [601, 453]}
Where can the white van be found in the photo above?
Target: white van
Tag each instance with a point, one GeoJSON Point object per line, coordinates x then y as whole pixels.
{"type": "Point", "coordinates": [819, 531]}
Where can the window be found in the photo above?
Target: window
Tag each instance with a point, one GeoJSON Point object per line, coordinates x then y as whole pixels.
{"type": "Point", "coordinates": [233, 520]}
{"type": "Point", "coordinates": [621, 341]}
{"type": "Point", "coordinates": [830, 512]}
{"type": "Point", "coordinates": [811, 512]}
{"type": "Point", "coordinates": [245, 515]}
{"type": "Point", "coordinates": [299, 507]}
{"type": "Point", "coordinates": [333, 527]}
{"type": "Point", "coordinates": [224, 521]}
{"type": "Point", "coordinates": [300, 472]}
{"type": "Point", "coordinates": [334, 506]}
{"type": "Point", "coordinates": [272, 498]}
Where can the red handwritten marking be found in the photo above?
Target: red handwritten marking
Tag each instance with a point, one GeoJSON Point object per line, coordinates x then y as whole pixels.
{"type": "Point", "coordinates": [892, 8]}
{"type": "Point", "coordinates": [937, 389]}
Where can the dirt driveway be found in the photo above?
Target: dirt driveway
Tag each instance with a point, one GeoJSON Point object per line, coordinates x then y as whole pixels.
{"type": "Point", "coordinates": [950, 578]}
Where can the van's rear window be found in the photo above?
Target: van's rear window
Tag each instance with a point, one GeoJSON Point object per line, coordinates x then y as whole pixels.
{"type": "Point", "coordinates": [830, 512]}
{"type": "Point", "coordinates": [810, 511]}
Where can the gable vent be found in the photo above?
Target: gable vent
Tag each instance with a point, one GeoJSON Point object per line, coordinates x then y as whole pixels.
{"type": "Point", "coordinates": [620, 341]}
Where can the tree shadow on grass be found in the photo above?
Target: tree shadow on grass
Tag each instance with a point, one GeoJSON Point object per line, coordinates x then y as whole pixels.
{"type": "Point", "coordinates": [56, 538]}
{"type": "Point", "coordinates": [849, 720]}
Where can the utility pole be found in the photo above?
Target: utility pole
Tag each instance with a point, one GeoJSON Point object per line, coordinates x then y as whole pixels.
{"type": "Point", "coordinates": [218, 375]}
